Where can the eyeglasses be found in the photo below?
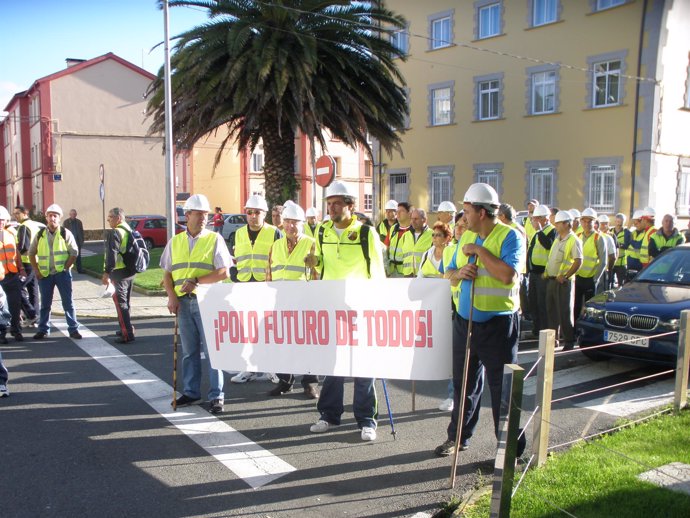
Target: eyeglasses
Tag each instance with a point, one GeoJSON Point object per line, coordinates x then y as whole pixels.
{"type": "Point", "coordinates": [251, 212]}
{"type": "Point", "coordinates": [435, 234]}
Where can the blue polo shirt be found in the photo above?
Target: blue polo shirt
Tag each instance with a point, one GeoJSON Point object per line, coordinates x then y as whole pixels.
{"type": "Point", "coordinates": [512, 253]}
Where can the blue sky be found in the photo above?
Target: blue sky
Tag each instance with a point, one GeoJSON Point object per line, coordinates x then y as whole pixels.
{"type": "Point", "coordinates": [38, 35]}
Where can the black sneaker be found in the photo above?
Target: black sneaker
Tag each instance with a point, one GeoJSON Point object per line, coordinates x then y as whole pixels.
{"type": "Point", "coordinates": [124, 340]}
{"type": "Point", "coordinates": [75, 335]}
{"type": "Point", "coordinates": [19, 337]}
{"type": "Point", "coordinates": [3, 339]}
{"type": "Point", "coordinates": [282, 388]}
{"type": "Point", "coordinates": [217, 406]}
{"type": "Point", "coordinates": [185, 400]}
{"type": "Point", "coordinates": [40, 335]}
{"type": "Point", "coordinates": [448, 447]}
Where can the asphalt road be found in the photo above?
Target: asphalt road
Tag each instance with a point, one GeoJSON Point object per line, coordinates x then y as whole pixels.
{"type": "Point", "coordinates": [79, 441]}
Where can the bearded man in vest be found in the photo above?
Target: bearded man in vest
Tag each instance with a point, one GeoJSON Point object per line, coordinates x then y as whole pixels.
{"type": "Point", "coordinates": [340, 254]}
{"type": "Point", "coordinates": [416, 241]}
{"type": "Point", "coordinates": [389, 219]}
{"type": "Point", "coordinates": [490, 255]}
{"type": "Point", "coordinates": [26, 232]}
{"type": "Point", "coordinates": [594, 261]}
{"type": "Point", "coordinates": [286, 263]}
{"type": "Point", "coordinates": [394, 240]}
{"type": "Point", "coordinates": [14, 272]}
{"type": "Point", "coordinates": [197, 256]}
{"type": "Point", "coordinates": [52, 255]}
{"type": "Point", "coordinates": [537, 256]}
{"type": "Point", "coordinates": [253, 243]}
{"type": "Point", "coordinates": [115, 271]}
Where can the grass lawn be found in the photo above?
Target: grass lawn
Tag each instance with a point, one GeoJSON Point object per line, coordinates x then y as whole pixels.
{"type": "Point", "coordinates": [599, 479]}
{"type": "Point", "coordinates": [149, 280]}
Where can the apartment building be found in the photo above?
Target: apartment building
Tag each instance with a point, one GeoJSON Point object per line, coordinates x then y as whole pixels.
{"type": "Point", "coordinates": [573, 102]}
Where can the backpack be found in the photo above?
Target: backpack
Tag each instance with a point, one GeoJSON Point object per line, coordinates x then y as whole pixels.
{"type": "Point", "coordinates": [136, 256]}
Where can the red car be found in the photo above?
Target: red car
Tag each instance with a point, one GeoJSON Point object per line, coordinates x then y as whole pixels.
{"type": "Point", "coordinates": [154, 229]}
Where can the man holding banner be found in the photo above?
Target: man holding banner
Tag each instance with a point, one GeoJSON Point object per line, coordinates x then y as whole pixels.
{"type": "Point", "coordinates": [346, 249]}
{"type": "Point", "coordinates": [486, 263]}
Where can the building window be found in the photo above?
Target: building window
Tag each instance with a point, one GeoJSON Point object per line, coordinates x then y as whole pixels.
{"type": "Point", "coordinates": [602, 187]}
{"type": "Point", "coordinates": [683, 200]}
{"type": "Point", "coordinates": [440, 185]}
{"type": "Point", "coordinates": [488, 97]}
{"type": "Point", "coordinates": [543, 94]}
{"type": "Point", "coordinates": [400, 39]}
{"type": "Point", "coordinates": [607, 84]}
{"type": "Point", "coordinates": [489, 174]}
{"type": "Point", "coordinates": [257, 162]}
{"type": "Point", "coordinates": [368, 202]}
{"type": "Point", "coordinates": [544, 11]}
{"type": "Point", "coordinates": [398, 187]}
{"type": "Point", "coordinates": [601, 5]}
{"type": "Point", "coordinates": [441, 29]}
{"type": "Point", "coordinates": [368, 168]}
{"type": "Point", "coordinates": [441, 103]}
{"type": "Point", "coordinates": [541, 181]}
{"type": "Point", "coordinates": [488, 18]}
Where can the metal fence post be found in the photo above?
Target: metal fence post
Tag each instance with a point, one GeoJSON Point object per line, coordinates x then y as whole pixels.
{"type": "Point", "coordinates": [504, 466]}
{"type": "Point", "coordinates": [680, 399]}
{"type": "Point", "coordinates": [542, 417]}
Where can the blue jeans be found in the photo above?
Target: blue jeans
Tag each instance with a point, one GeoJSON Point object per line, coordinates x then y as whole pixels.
{"type": "Point", "coordinates": [364, 405]}
{"type": "Point", "coordinates": [193, 340]}
{"type": "Point", "coordinates": [46, 286]}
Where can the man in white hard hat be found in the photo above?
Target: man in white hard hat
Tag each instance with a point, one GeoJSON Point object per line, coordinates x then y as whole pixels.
{"type": "Point", "coordinates": [647, 221]}
{"type": "Point", "coordinates": [594, 261]}
{"type": "Point", "coordinates": [197, 256]}
{"type": "Point", "coordinates": [389, 219]}
{"type": "Point", "coordinates": [416, 241]}
{"type": "Point", "coordinates": [286, 263]}
{"type": "Point", "coordinates": [575, 214]}
{"type": "Point", "coordinates": [491, 258]}
{"type": "Point", "coordinates": [446, 214]}
{"type": "Point", "coordinates": [611, 250]}
{"type": "Point", "coordinates": [338, 256]}
{"type": "Point", "coordinates": [666, 237]}
{"type": "Point", "coordinates": [14, 273]}
{"type": "Point", "coordinates": [637, 235]}
{"type": "Point", "coordinates": [310, 226]}
{"type": "Point", "coordinates": [565, 259]}
{"type": "Point", "coordinates": [622, 237]}
{"type": "Point", "coordinates": [253, 243]}
{"type": "Point", "coordinates": [395, 254]}
{"type": "Point", "coordinates": [537, 256]}
{"type": "Point", "coordinates": [52, 254]}
{"type": "Point", "coordinates": [529, 229]}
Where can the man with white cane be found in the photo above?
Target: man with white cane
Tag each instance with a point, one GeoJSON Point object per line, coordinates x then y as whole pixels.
{"type": "Point", "coordinates": [487, 328]}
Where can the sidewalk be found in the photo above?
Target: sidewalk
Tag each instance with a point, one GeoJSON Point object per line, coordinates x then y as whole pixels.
{"type": "Point", "coordinates": [86, 293]}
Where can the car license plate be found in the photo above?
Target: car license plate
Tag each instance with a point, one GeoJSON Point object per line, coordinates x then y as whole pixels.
{"type": "Point", "coordinates": [629, 339]}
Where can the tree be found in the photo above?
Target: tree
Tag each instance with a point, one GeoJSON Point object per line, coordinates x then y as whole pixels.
{"type": "Point", "coordinates": [267, 70]}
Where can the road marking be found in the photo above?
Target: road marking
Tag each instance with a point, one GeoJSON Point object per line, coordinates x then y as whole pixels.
{"type": "Point", "coordinates": [580, 374]}
{"type": "Point", "coordinates": [249, 461]}
{"type": "Point", "coordinates": [632, 401]}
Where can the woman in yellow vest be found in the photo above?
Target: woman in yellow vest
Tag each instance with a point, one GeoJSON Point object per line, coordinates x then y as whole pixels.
{"type": "Point", "coordinates": [286, 263]}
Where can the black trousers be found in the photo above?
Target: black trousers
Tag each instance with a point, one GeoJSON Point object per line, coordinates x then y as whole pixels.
{"type": "Point", "coordinates": [585, 289]}
{"type": "Point", "coordinates": [30, 300]}
{"type": "Point", "coordinates": [12, 285]}
{"type": "Point", "coordinates": [123, 291]}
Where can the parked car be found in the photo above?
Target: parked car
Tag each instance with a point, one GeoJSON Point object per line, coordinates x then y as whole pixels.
{"type": "Point", "coordinates": [181, 218]}
{"type": "Point", "coordinates": [648, 305]}
{"type": "Point", "coordinates": [231, 224]}
{"type": "Point", "coordinates": [154, 229]}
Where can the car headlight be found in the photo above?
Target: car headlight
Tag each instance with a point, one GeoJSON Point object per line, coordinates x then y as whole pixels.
{"type": "Point", "coordinates": [594, 314]}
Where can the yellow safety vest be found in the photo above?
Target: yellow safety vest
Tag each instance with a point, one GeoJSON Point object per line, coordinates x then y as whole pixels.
{"type": "Point", "coordinates": [489, 293]}
{"type": "Point", "coordinates": [395, 249]}
{"type": "Point", "coordinates": [622, 259]}
{"type": "Point", "coordinates": [590, 257]}
{"type": "Point", "coordinates": [644, 250]}
{"type": "Point", "coordinates": [290, 267]}
{"type": "Point", "coordinates": [540, 255]}
{"type": "Point", "coordinates": [662, 242]}
{"type": "Point", "coordinates": [60, 252]}
{"type": "Point", "coordinates": [343, 257]}
{"type": "Point", "coordinates": [428, 268]}
{"type": "Point", "coordinates": [32, 227]}
{"type": "Point", "coordinates": [414, 250]}
{"type": "Point", "coordinates": [529, 229]}
{"type": "Point", "coordinates": [253, 260]}
{"type": "Point", "coordinates": [188, 265]}
{"type": "Point", "coordinates": [123, 229]}
{"type": "Point", "coordinates": [567, 253]}
{"type": "Point", "coordinates": [383, 229]}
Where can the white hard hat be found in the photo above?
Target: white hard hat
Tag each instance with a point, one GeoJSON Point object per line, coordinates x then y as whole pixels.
{"type": "Point", "coordinates": [4, 213]}
{"type": "Point", "coordinates": [589, 212]}
{"type": "Point", "coordinates": [563, 215]}
{"type": "Point", "coordinates": [311, 212]}
{"type": "Point", "coordinates": [292, 211]}
{"type": "Point", "coordinates": [481, 193]}
{"type": "Point", "coordinates": [575, 213]}
{"type": "Point", "coordinates": [648, 212]}
{"type": "Point", "coordinates": [637, 214]}
{"type": "Point", "coordinates": [197, 202]}
{"type": "Point", "coordinates": [54, 208]}
{"type": "Point", "coordinates": [256, 201]}
{"type": "Point", "coordinates": [391, 205]}
{"type": "Point", "coordinates": [339, 188]}
{"type": "Point", "coordinates": [541, 210]}
{"type": "Point", "coordinates": [603, 218]}
{"type": "Point", "coordinates": [446, 206]}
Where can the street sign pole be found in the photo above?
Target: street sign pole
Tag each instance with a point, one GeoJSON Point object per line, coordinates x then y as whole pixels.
{"type": "Point", "coordinates": [169, 151]}
{"type": "Point", "coordinates": [101, 192]}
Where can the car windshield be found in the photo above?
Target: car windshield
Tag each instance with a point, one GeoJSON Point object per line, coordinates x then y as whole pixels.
{"type": "Point", "coordinates": [672, 267]}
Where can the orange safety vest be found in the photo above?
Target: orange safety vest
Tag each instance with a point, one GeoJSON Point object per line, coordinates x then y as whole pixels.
{"type": "Point", "coordinates": [8, 251]}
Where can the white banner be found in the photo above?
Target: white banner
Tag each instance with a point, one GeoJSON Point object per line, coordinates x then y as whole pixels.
{"type": "Point", "coordinates": [389, 328]}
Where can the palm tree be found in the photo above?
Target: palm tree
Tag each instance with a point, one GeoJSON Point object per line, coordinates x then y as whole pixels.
{"type": "Point", "coordinates": [267, 69]}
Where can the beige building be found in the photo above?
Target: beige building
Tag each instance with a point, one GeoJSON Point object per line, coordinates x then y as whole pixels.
{"type": "Point", "coordinates": [59, 132]}
{"type": "Point", "coordinates": [573, 102]}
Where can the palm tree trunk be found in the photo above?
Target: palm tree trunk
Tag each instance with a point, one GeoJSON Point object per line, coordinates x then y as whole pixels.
{"type": "Point", "coordinates": [279, 159]}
